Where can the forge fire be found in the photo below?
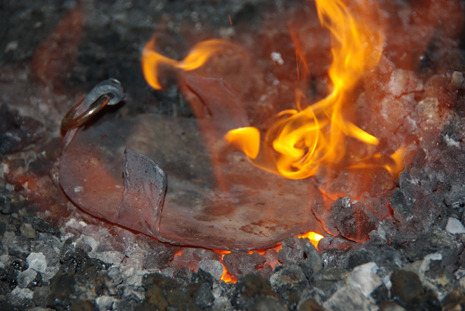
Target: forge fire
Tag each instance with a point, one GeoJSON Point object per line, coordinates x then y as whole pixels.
{"type": "Point", "coordinates": [218, 201]}
{"type": "Point", "coordinates": [301, 155]}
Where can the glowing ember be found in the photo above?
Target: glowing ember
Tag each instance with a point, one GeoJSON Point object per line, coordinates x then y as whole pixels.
{"type": "Point", "coordinates": [226, 277]}
{"type": "Point", "coordinates": [298, 142]}
{"type": "Point", "coordinates": [350, 128]}
{"type": "Point", "coordinates": [313, 237]}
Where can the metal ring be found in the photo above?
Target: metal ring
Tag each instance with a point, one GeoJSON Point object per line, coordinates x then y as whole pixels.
{"type": "Point", "coordinates": [70, 121]}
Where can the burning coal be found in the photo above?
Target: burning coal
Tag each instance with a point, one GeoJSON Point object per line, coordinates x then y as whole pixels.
{"type": "Point", "coordinates": [350, 150]}
{"type": "Point", "coordinates": [345, 137]}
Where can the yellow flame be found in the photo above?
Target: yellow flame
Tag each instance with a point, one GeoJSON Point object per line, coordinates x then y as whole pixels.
{"type": "Point", "coordinates": [245, 138]}
{"type": "Point", "coordinates": [313, 237]}
{"type": "Point", "coordinates": [300, 141]}
{"type": "Point", "coordinates": [199, 55]}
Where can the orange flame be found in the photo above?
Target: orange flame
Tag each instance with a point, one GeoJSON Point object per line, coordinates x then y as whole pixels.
{"type": "Point", "coordinates": [301, 140]}
{"type": "Point", "coordinates": [226, 276]}
{"type": "Point", "coordinates": [313, 237]}
{"type": "Point", "coordinates": [297, 143]}
{"type": "Point", "coordinates": [199, 55]}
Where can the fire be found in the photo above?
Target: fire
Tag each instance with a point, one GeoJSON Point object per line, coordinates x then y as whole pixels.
{"type": "Point", "coordinates": [226, 276]}
{"type": "Point", "coordinates": [301, 140]}
{"type": "Point", "coordinates": [313, 237]}
{"type": "Point", "coordinates": [313, 137]}
{"type": "Point", "coordinates": [199, 55]}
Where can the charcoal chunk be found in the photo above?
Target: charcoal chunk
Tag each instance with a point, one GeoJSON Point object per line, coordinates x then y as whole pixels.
{"type": "Point", "coordinates": [408, 290]}
{"type": "Point", "coordinates": [385, 256]}
{"type": "Point", "coordinates": [204, 297]}
{"type": "Point", "coordinates": [391, 306]}
{"type": "Point", "coordinates": [267, 304]}
{"type": "Point", "coordinates": [347, 298]}
{"type": "Point", "coordinates": [289, 281]}
{"type": "Point", "coordinates": [334, 243]}
{"type": "Point", "coordinates": [405, 286]}
{"type": "Point", "coordinates": [72, 260]}
{"type": "Point", "coordinates": [432, 242]}
{"type": "Point", "coordinates": [312, 263]}
{"type": "Point", "coordinates": [7, 207]}
{"type": "Point", "coordinates": [399, 205]}
{"type": "Point", "coordinates": [17, 132]}
{"type": "Point", "coordinates": [455, 300]}
{"type": "Point", "coordinates": [455, 198]}
{"type": "Point", "coordinates": [214, 267]}
{"type": "Point", "coordinates": [242, 263]}
{"type": "Point", "coordinates": [352, 219]}
{"type": "Point", "coordinates": [19, 265]}
{"type": "Point", "coordinates": [202, 277]}
{"type": "Point", "coordinates": [309, 305]}
{"type": "Point", "coordinates": [250, 288]}
{"type": "Point", "coordinates": [160, 257]}
{"type": "Point", "coordinates": [43, 226]}
{"type": "Point", "coordinates": [8, 279]}
{"type": "Point", "coordinates": [162, 292]}
{"type": "Point", "coordinates": [292, 250]}
{"type": "Point", "coordinates": [61, 288]}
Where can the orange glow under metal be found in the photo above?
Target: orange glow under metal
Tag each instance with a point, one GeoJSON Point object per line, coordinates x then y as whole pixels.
{"type": "Point", "coordinates": [226, 277]}
{"type": "Point", "coordinates": [313, 237]}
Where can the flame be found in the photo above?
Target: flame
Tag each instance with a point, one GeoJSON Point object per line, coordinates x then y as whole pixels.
{"type": "Point", "coordinates": [313, 237]}
{"type": "Point", "coordinates": [246, 139]}
{"type": "Point", "coordinates": [226, 276]}
{"type": "Point", "coordinates": [301, 140]}
{"type": "Point", "coordinates": [296, 143]}
{"type": "Point", "coordinates": [198, 56]}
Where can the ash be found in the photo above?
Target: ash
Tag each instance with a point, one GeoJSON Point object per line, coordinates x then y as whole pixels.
{"type": "Point", "coordinates": [53, 256]}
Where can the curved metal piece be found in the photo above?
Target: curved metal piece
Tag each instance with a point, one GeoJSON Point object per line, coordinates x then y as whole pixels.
{"type": "Point", "coordinates": [108, 92]}
{"type": "Point", "coordinates": [249, 209]}
{"type": "Point", "coordinates": [71, 121]}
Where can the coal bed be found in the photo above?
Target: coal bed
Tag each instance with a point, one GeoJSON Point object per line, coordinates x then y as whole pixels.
{"type": "Point", "coordinates": [397, 244]}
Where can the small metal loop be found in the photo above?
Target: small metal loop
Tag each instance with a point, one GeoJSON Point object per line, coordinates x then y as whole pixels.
{"type": "Point", "coordinates": [70, 121]}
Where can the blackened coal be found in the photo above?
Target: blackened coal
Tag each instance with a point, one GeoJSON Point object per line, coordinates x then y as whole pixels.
{"type": "Point", "coordinates": [43, 226]}
{"type": "Point", "coordinates": [413, 260]}
{"type": "Point", "coordinates": [17, 132]}
{"type": "Point", "coordinates": [351, 219]}
{"type": "Point", "coordinates": [240, 264]}
{"type": "Point", "coordinates": [160, 257]}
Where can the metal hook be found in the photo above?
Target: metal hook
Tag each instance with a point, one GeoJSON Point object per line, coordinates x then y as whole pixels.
{"type": "Point", "coordinates": [108, 92]}
{"type": "Point", "coordinates": [70, 121]}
